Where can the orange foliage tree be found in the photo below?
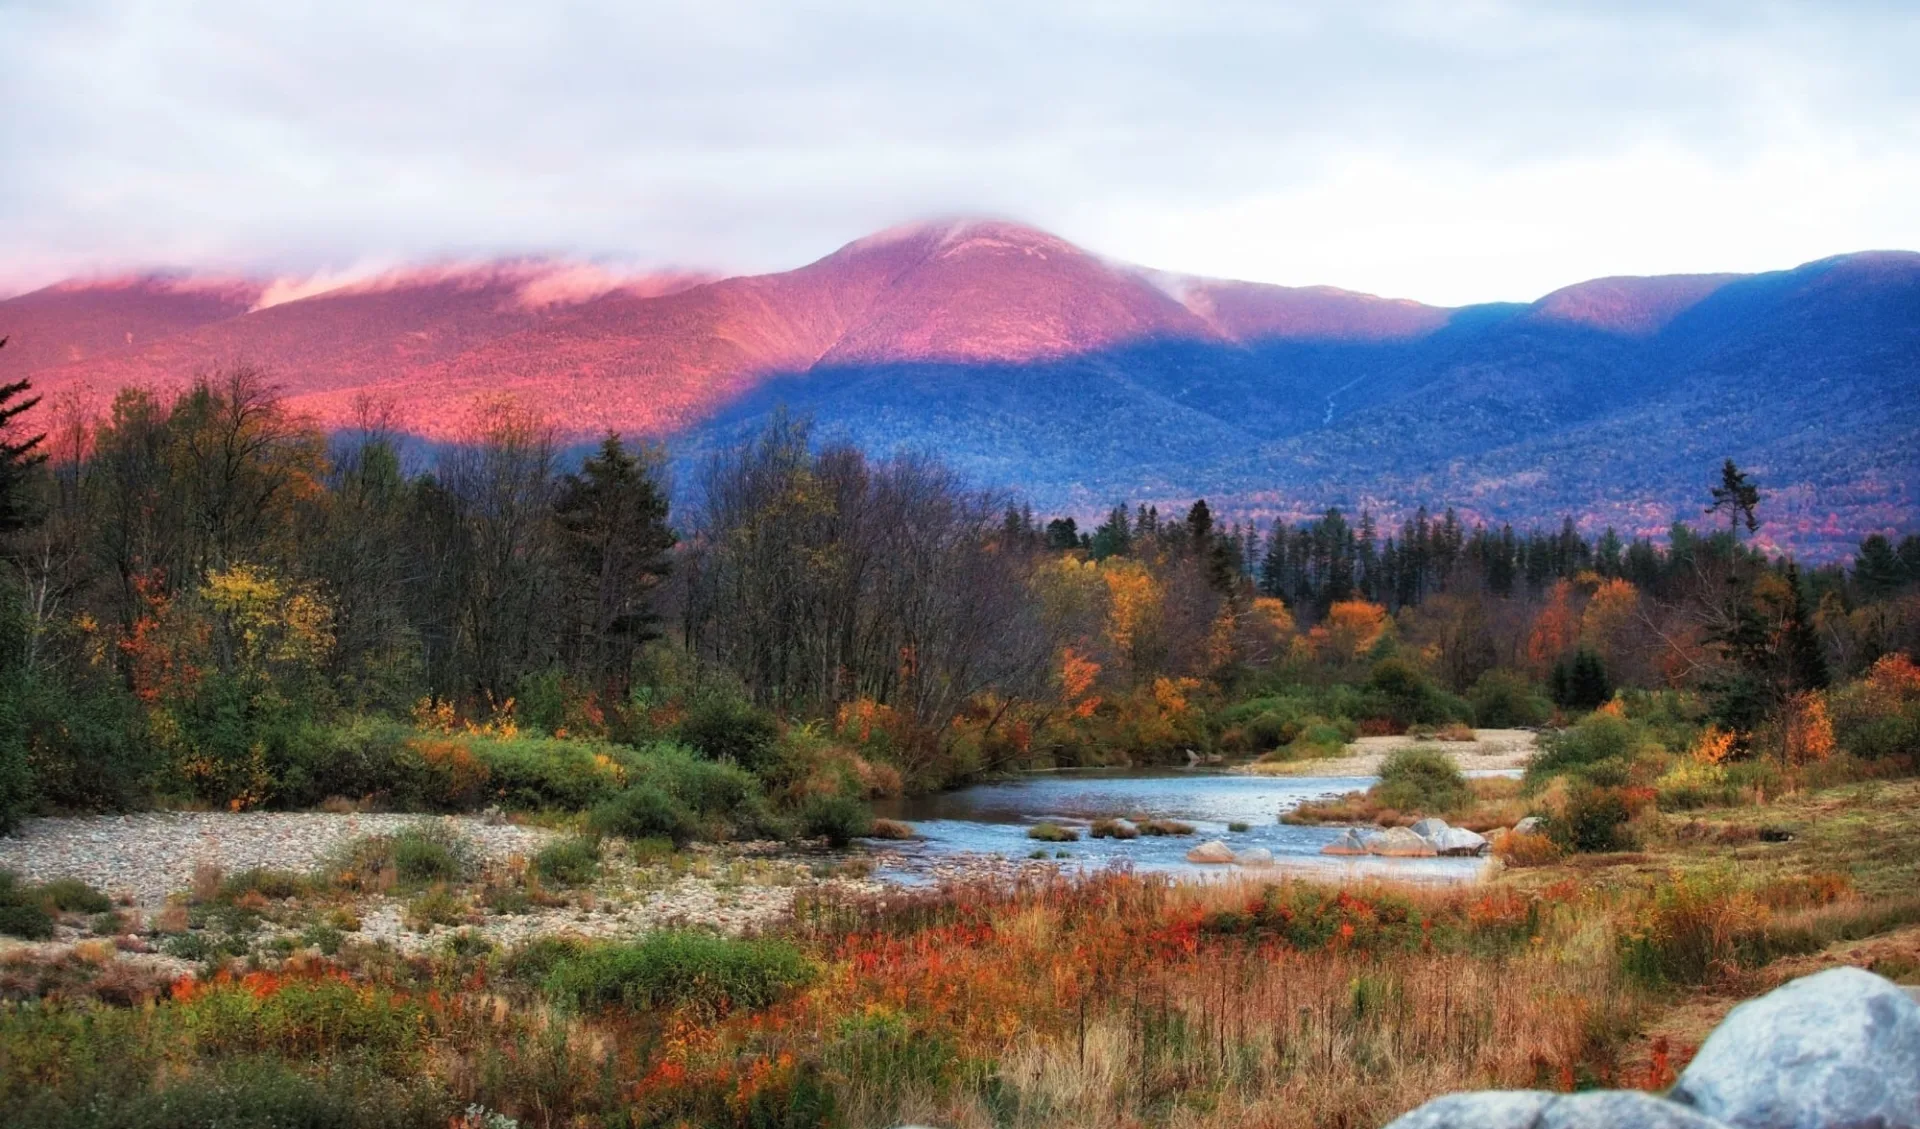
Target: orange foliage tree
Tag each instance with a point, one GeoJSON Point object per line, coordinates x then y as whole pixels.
{"type": "Point", "coordinates": [1556, 629]}
{"type": "Point", "coordinates": [1351, 629]}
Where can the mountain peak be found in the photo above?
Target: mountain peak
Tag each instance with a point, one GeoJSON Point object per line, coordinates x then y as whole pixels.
{"type": "Point", "coordinates": [1632, 305]}
{"type": "Point", "coordinates": [957, 234]}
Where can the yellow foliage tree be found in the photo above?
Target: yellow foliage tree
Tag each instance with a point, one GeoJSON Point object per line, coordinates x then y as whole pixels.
{"type": "Point", "coordinates": [1609, 615]}
{"type": "Point", "coordinates": [1133, 611]}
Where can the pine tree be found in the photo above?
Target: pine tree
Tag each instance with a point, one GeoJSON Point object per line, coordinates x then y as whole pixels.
{"type": "Point", "coordinates": [1877, 569]}
{"type": "Point", "coordinates": [1737, 498]}
{"type": "Point", "coordinates": [1199, 526]}
{"type": "Point", "coordinates": [17, 459]}
{"type": "Point", "coordinates": [1063, 533]}
{"type": "Point", "coordinates": [614, 537]}
{"type": "Point", "coordinates": [1114, 537]}
{"type": "Point", "coordinates": [1806, 665]}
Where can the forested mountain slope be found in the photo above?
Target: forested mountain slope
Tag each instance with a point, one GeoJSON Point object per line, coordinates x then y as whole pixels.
{"type": "Point", "coordinates": [1033, 364]}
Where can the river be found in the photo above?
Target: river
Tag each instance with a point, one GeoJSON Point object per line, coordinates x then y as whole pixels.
{"type": "Point", "coordinates": [993, 819]}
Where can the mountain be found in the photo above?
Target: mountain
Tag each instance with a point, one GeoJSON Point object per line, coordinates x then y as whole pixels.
{"type": "Point", "coordinates": [1034, 364]}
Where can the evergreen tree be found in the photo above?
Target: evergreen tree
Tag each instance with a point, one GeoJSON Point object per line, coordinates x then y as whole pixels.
{"type": "Point", "coordinates": [1737, 498]}
{"type": "Point", "coordinates": [614, 540]}
{"type": "Point", "coordinates": [1579, 681]}
{"type": "Point", "coordinates": [1063, 533]}
{"type": "Point", "coordinates": [1806, 666]}
{"type": "Point", "coordinates": [17, 458]}
{"type": "Point", "coordinates": [1114, 537]}
{"type": "Point", "coordinates": [1877, 570]}
{"type": "Point", "coordinates": [1199, 526]}
{"type": "Point", "coordinates": [1273, 563]}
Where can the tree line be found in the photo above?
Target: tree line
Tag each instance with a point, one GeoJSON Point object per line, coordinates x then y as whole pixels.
{"type": "Point", "coordinates": [195, 582]}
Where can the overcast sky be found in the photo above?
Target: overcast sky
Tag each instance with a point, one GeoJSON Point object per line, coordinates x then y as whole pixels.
{"type": "Point", "coordinates": [1450, 151]}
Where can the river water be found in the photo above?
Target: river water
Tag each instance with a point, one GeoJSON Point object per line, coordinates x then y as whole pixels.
{"type": "Point", "coordinates": [992, 819]}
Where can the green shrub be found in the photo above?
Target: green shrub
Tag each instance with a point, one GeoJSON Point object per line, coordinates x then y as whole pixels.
{"type": "Point", "coordinates": [705, 973]}
{"type": "Point", "coordinates": [568, 862]}
{"type": "Point", "coordinates": [70, 895]}
{"type": "Point", "coordinates": [1268, 731]}
{"type": "Point", "coordinates": [365, 758]}
{"type": "Point", "coordinates": [91, 750]}
{"type": "Point", "coordinates": [255, 1091]}
{"type": "Point", "coordinates": [549, 773]}
{"type": "Point", "coordinates": [430, 853]}
{"type": "Point", "coordinates": [726, 799]}
{"type": "Point", "coordinates": [437, 905]}
{"type": "Point", "coordinates": [1421, 780]}
{"type": "Point", "coordinates": [839, 819]}
{"type": "Point", "coordinates": [534, 961]}
{"type": "Point", "coordinates": [727, 728]}
{"type": "Point", "coordinates": [16, 773]}
{"type": "Point", "coordinates": [28, 922]}
{"type": "Point", "coordinates": [267, 883]}
{"type": "Point", "coordinates": [1506, 699]}
{"type": "Point", "coordinates": [1597, 739]}
{"type": "Point", "coordinates": [644, 811]}
{"type": "Point", "coordinates": [1874, 721]}
{"type": "Point", "coordinates": [327, 938]}
{"type": "Point", "coordinates": [27, 911]}
{"type": "Point", "coordinates": [416, 856]}
{"type": "Point", "coordinates": [1052, 833]}
{"type": "Point", "coordinates": [1595, 820]}
{"type": "Point", "coordinates": [1401, 692]}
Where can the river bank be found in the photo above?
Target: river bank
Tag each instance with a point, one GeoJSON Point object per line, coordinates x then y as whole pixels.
{"type": "Point", "coordinates": [1492, 751]}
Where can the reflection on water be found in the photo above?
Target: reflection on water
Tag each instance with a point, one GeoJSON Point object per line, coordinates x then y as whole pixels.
{"type": "Point", "coordinates": [992, 819]}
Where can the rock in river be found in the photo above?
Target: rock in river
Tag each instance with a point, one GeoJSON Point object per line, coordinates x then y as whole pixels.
{"type": "Point", "coordinates": [1398, 842]}
{"type": "Point", "coordinates": [1214, 852]}
{"type": "Point", "coordinates": [1458, 841]}
{"type": "Point", "coordinates": [1349, 843]}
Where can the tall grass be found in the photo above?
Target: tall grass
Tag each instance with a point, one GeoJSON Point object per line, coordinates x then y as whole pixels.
{"type": "Point", "coordinates": [1114, 1000]}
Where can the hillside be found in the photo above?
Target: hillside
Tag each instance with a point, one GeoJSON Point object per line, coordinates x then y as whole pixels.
{"type": "Point", "coordinates": [1034, 364]}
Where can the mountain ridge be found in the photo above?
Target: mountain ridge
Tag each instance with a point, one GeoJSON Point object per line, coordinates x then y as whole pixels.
{"type": "Point", "coordinates": [1035, 364]}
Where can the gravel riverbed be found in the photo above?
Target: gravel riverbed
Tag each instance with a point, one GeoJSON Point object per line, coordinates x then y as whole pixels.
{"type": "Point", "coordinates": [149, 855]}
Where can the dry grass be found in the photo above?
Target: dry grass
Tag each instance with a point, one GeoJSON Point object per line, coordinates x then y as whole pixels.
{"type": "Point", "coordinates": [1118, 1002]}
{"type": "Point", "coordinates": [1497, 802]}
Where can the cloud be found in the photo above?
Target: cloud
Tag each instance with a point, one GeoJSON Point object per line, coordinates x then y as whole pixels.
{"type": "Point", "coordinates": [1449, 151]}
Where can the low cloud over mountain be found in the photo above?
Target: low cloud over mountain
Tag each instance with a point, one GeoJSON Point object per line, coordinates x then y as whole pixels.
{"type": "Point", "coordinates": [1034, 364]}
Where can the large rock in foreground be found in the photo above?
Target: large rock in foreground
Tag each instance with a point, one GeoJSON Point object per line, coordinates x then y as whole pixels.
{"type": "Point", "coordinates": [1537, 1109]}
{"type": "Point", "coordinates": [1836, 1050]}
